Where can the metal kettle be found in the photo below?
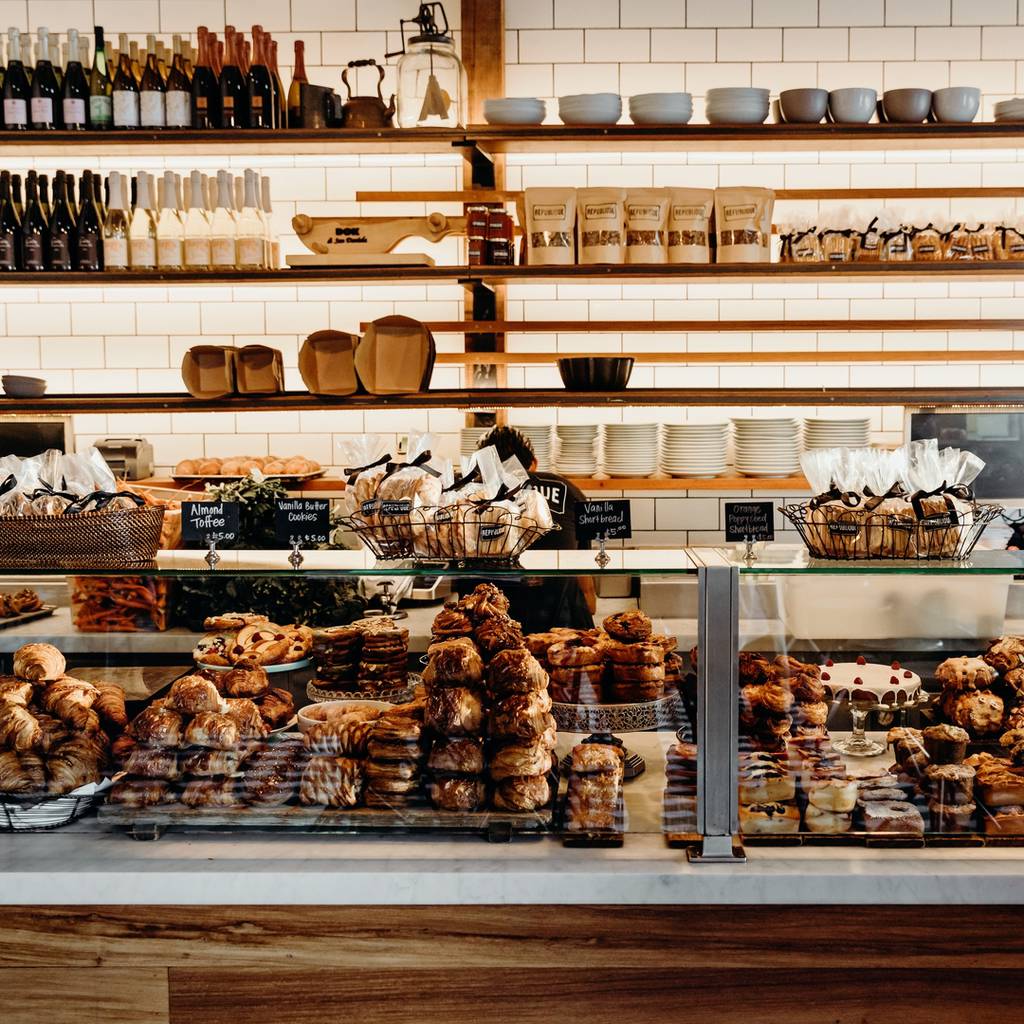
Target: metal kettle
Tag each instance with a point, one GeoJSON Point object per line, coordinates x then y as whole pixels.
{"type": "Point", "coordinates": [366, 111]}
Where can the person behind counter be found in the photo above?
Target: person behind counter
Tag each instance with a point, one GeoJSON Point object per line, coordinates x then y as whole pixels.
{"type": "Point", "coordinates": [543, 603]}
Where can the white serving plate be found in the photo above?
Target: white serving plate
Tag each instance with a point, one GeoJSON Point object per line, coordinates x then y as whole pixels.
{"type": "Point", "coordinates": [290, 666]}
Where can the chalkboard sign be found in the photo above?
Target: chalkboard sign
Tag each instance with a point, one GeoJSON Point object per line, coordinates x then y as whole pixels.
{"type": "Point", "coordinates": [749, 520]}
{"type": "Point", "coordinates": [610, 519]}
{"type": "Point", "coordinates": [302, 521]}
{"type": "Point", "coordinates": [206, 522]}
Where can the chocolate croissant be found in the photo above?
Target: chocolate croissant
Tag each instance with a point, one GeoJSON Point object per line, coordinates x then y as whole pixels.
{"type": "Point", "coordinates": [159, 727]}
{"type": "Point", "coordinates": [207, 762]}
{"type": "Point", "coordinates": [153, 763]}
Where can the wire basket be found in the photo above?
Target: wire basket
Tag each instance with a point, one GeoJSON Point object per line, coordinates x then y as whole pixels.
{"type": "Point", "coordinates": [449, 533]}
{"type": "Point", "coordinates": [836, 531]}
{"type": "Point", "coordinates": [35, 814]}
{"type": "Point", "coordinates": [85, 540]}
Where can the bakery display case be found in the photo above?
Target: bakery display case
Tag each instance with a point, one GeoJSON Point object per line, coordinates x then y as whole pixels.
{"type": "Point", "coordinates": [878, 702]}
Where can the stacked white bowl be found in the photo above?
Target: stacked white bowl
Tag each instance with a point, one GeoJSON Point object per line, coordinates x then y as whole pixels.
{"type": "Point", "coordinates": [734, 105]}
{"type": "Point", "coordinates": [661, 108]}
{"type": "Point", "coordinates": [577, 449]}
{"type": "Point", "coordinates": [694, 449]}
{"type": "Point", "coordinates": [540, 441]}
{"type": "Point", "coordinates": [630, 449]}
{"type": "Point", "coordinates": [1010, 110]}
{"type": "Point", "coordinates": [852, 432]}
{"type": "Point", "coordinates": [469, 438]}
{"type": "Point", "coordinates": [767, 446]}
{"type": "Point", "coordinates": [514, 110]}
{"type": "Point", "coordinates": [590, 108]}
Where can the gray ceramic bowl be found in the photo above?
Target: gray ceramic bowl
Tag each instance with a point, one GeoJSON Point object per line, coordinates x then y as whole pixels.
{"type": "Point", "coordinates": [907, 106]}
{"type": "Point", "coordinates": [956, 105]}
{"type": "Point", "coordinates": [24, 387]}
{"type": "Point", "coordinates": [803, 106]}
{"type": "Point", "coordinates": [852, 106]}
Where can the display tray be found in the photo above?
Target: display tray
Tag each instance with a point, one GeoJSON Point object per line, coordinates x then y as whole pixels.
{"type": "Point", "coordinates": [664, 713]}
{"type": "Point", "coordinates": [18, 620]}
{"type": "Point", "coordinates": [215, 478]}
{"type": "Point", "coordinates": [880, 841]}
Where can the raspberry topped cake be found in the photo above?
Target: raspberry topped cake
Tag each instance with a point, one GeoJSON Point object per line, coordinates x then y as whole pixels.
{"type": "Point", "coordinates": [862, 682]}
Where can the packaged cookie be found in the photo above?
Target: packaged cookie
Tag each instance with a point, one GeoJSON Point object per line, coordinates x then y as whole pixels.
{"type": "Point", "coordinates": [551, 226]}
{"type": "Point", "coordinates": [647, 212]}
{"type": "Point", "coordinates": [689, 225]}
{"type": "Point", "coordinates": [869, 242]}
{"type": "Point", "coordinates": [804, 245]}
{"type": "Point", "coordinates": [838, 245]}
{"type": "Point", "coordinates": [602, 225]}
{"type": "Point", "coordinates": [957, 243]}
{"type": "Point", "coordinates": [926, 243]}
{"type": "Point", "coordinates": [743, 224]}
{"type": "Point", "coordinates": [982, 248]}
{"type": "Point", "coordinates": [895, 244]}
{"type": "Point", "coordinates": [1008, 241]}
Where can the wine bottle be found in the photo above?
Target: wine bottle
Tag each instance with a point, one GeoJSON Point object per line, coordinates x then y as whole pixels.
{"type": "Point", "coordinates": [10, 225]}
{"type": "Point", "coordinates": [234, 96]}
{"type": "Point", "coordinates": [295, 89]}
{"type": "Point", "coordinates": [205, 89]}
{"type": "Point", "coordinates": [33, 229]}
{"type": "Point", "coordinates": [280, 101]}
{"type": "Point", "coordinates": [223, 232]}
{"type": "Point", "coordinates": [58, 65]}
{"type": "Point", "coordinates": [61, 229]}
{"type": "Point", "coordinates": [75, 91]}
{"type": "Point", "coordinates": [44, 195]}
{"type": "Point", "coordinates": [134, 63]}
{"type": "Point", "coordinates": [274, 253]}
{"type": "Point", "coordinates": [26, 56]}
{"type": "Point", "coordinates": [17, 91]}
{"type": "Point", "coordinates": [16, 196]}
{"type": "Point", "coordinates": [170, 235]}
{"type": "Point", "coordinates": [153, 92]}
{"type": "Point", "coordinates": [70, 180]}
{"type": "Point", "coordinates": [197, 227]}
{"type": "Point", "coordinates": [142, 231]}
{"type": "Point", "coordinates": [43, 107]}
{"type": "Point", "coordinates": [179, 93]}
{"type": "Point", "coordinates": [126, 95]}
{"type": "Point", "coordinates": [97, 198]}
{"type": "Point", "coordinates": [100, 99]}
{"type": "Point", "coordinates": [260, 84]}
{"type": "Point", "coordinates": [250, 229]}
{"type": "Point", "coordinates": [116, 227]}
{"type": "Point", "coordinates": [89, 233]}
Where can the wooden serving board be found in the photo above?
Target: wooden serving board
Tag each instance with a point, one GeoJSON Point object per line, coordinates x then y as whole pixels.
{"type": "Point", "coordinates": [19, 620]}
{"type": "Point", "coordinates": [297, 478]}
{"type": "Point", "coordinates": [364, 259]}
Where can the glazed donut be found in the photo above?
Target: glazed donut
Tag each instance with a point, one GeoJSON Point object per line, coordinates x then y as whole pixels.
{"type": "Point", "coordinates": [769, 818]}
{"type": "Point", "coordinates": [573, 653]}
{"type": "Point", "coordinates": [775, 698]}
{"type": "Point", "coordinates": [630, 627]}
{"type": "Point", "coordinates": [833, 794]}
{"type": "Point", "coordinates": [817, 819]}
{"type": "Point", "coordinates": [634, 654]}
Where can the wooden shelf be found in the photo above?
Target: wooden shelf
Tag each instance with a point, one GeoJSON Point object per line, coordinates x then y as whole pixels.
{"type": "Point", "coordinates": [960, 355]}
{"type": "Point", "coordinates": [525, 398]}
{"type": "Point", "coordinates": [731, 482]}
{"type": "Point", "coordinates": [721, 272]}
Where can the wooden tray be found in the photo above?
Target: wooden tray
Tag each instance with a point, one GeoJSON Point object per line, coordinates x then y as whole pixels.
{"type": "Point", "coordinates": [234, 478]}
{"type": "Point", "coordinates": [17, 620]}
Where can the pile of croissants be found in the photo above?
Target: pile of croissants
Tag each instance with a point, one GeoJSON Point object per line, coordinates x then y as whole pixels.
{"type": "Point", "coordinates": [55, 730]}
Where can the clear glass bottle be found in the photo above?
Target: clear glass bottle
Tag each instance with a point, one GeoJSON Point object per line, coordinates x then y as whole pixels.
{"type": "Point", "coordinates": [17, 91]}
{"type": "Point", "coordinates": [170, 235]}
{"type": "Point", "coordinates": [125, 95]}
{"type": "Point", "coordinates": [152, 91]}
{"type": "Point", "coordinates": [223, 231]}
{"type": "Point", "coordinates": [251, 233]}
{"type": "Point", "coordinates": [142, 231]}
{"type": "Point", "coordinates": [197, 227]}
{"type": "Point", "coordinates": [117, 227]}
{"type": "Point", "coordinates": [75, 89]}
{"type": "Point", "coordinates": [44, 106]}
{"type": "Point", "coordinates": [179, 92]}
{"type": "Point", "coordinates": [273, 242]}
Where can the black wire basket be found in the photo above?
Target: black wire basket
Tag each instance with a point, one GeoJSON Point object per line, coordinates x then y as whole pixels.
{"type": "Point", "coordinates": [836, 531]}
{"type": "Point", "coordinates": [451, 533]}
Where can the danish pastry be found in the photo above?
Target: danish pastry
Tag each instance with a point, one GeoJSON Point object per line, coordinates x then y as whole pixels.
{"type": "Point", "coordinates": [631, 627]}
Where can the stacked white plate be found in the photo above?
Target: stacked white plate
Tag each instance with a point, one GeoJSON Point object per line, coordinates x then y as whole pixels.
{"type": "Point", "coordinates": [1010, 110]}
{"type": "Point", "coordinates": [767, 446]}
{"type": "Point", "coordinates": [469, 437]}
{"type": "Point", "coordinates": [514, 110]}
{"type": "Point", "coordinates": [736, 105]}
{"type": "Point", "coordinates": [540, 440]}
{"type": "Point", "coordinates": [590, 108]}
{"type": "Point", "coordinates": [577, 449]}
{"type": "Point", "coordinates": [630, 449]}
{"type": "Point", "coordinates": [837, 433]}
{"type": "Point", "coordinates": [694, 449]}
{"type": "Point", "coordinates": [661, 108]}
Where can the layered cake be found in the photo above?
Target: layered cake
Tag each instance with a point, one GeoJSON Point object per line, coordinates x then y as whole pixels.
{"type": "Point", "coordinates": [864, 683]}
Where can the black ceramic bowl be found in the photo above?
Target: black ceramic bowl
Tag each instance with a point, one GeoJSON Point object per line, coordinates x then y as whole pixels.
{"type": "Point", "coordinates": [596, 373]}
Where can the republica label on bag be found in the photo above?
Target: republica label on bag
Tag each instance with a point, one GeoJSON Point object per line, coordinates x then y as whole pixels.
{"type": "Point", "coordinates": [491, 531]}
{"type": "Point", "coordinates": [847, 529]}
{"type": "Point", "coordinates": [302, 521]}
{"type": "Point", "coordinates": [209, 522]}
{"type": "Point", "coordinates": [395, 508]}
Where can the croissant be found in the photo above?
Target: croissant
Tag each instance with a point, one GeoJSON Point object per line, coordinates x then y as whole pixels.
{"type": "Point", "coordinates": [276, 707]}
{"type": "Point", "coordinates": [19, 728]}
{"type": "Point", "coordinates": [71, 701]}
{"type": "Point", "coordinates": [210, 762]}
{"type": "Point", "coordinates": [140, 792]}
{"type": "Point", "coordinates": [153, 763]}
{"type": "Point", "coordinates": [211, 729]}
{"type": "Point", "coordinates": [52, 731]}
{"type": "Point", "coordinates": [74, 763]}
{"type": "Point", "coordinates": [15, 691]}
{"type": "Point", "coordinates": [158, 726]}
{"type": "Point", "coordinates": [110, 705]}
{"type": "Point", "coordinates": [38, 662]}
{"type": "Point", "coordinates": [342, 737]}
{"type": "Point", "coordinates": [332, 782]}
{"type": "Point", "coordinates": [192, 694]}
{"type": "Point", "coordinates": [21, 775]}
{"type": "Point", "coordinates": [210, 793]}
{"type": "Point", "coordinates": [247, 717]}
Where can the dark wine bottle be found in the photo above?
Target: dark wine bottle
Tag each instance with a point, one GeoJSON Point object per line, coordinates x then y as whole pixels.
{"type": "Point", "coordinates": [33, 229]}
{"type": "Point", "coordinates": [259, 83]}
{"type": "Point", "coordinates": [125, 95]}
{"type": "Point", "coordinates": [16, 196]}
{"type": "Point", "coordinates": [10, 225]}
{"type": "Point", "coordinates": [179, 93]}
{"type": "Point", "coordinates": [205, 88]}
{"type": "Point", "coordinates": [89, 234]}
{"type": "Point", "coordinates": [100, 100]}
{"type": "Point", "coordinates": [75, 90]}
{"type": "Point", "coordinates": [295, 89]}
{"type": "Point", "coordinates": [17, 91]}
{"type": "Point", "coordinates": [44, 107]}
{"type": "Point", "coordinates": [61, 233]}
{"type": "Point", "coordinates": [152, 91]}
{"type": "Point", "coordinates": [70, 180]}
{"type": "Point", "coordinates": [98, 193]}
{"type": "Point", "coordinates": [44, 196]}
{"type": "Point", "coordinates": [234, 94]}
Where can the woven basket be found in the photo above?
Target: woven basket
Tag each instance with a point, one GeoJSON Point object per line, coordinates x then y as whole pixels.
{"type": "Point", "coordinates": [88, 540]}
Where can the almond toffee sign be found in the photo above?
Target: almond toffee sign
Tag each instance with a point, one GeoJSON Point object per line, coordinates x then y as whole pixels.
{"type": "Point", "coordinates": [209, 522]}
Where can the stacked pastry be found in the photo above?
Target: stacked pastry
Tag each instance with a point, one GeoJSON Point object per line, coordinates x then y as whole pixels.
{"type": "Point", "coordinates": [396, 752]}
{"type": "Point", "coordinates": [780, 698]}
{"type": "Point", "coordinates": [450, 624]}
{"type": "Point", "coordinates": [55, 730]}
{"type": "Point", "coordinates": [636, 658]}
{"type": "Point", "coordinates": [999, 784]}
{"type": "Point", "coordinates": [767, 793]}
{"type": "Point", "coordinates": [680, 800]}
{"type": "Point", "coordinates": [336, 749]}
{"type": "Point", "coordinates": [336, 651]}
{"type": "Point", "coordinates": [577, 667]}
{"type": "Point", "coordinates": [383, 660]}
{"type": "Point", "coordinates": [594, 792]}
{"type": "Point", "coordinates": [969, 698]}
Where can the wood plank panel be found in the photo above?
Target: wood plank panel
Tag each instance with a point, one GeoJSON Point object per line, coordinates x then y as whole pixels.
{"type": "Point", "coordinates": [527, 937]}
{"type": "Point", "coordinates": [566, 992]}
{"type": "Point", "coordinates": [84, 995]}
{"type": "Point", "coordinates": [959, 355]}
{"type": "Point", "coordinates": [719, 326]}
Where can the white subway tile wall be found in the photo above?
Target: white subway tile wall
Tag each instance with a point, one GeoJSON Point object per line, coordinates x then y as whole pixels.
{"type": "Point", "coordinates": [113, 339]}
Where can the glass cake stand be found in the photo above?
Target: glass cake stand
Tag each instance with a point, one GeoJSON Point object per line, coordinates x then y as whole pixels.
{"type": "Point", "coordinates": [857, 743]}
